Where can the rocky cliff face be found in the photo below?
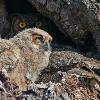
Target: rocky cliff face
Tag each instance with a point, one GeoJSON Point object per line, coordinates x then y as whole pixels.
{"type": "Point", "coordinates": [76, 18]}
{"type": "Point", "coordinates": [69, 76]}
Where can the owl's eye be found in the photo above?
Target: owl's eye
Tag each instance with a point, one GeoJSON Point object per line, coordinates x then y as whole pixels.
{"type": "Point", "coordinates": [38, 39]}
{"type": "Point", "coordinates": [38, 24]}
{"type": "Point", "coordinates": [22, 24]}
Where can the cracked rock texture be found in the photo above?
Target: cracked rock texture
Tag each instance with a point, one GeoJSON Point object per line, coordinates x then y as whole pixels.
{"type": "Point", "coordinates": [69, 76]}
{"type": "Point", "coordinates": [75, 18]}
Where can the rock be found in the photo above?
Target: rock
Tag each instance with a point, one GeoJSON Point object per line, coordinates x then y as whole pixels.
{"type": "Point", "coordinates": [75, 80]}
{"type": "Point", "coordinates": [75, 18]}
{"type": "Point", "coordinates": [68, 58]}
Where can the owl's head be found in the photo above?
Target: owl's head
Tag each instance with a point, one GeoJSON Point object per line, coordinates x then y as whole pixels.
{"type": "Point", "coordinates": [34, 38]}
{"type": "Point", "coordinates": [41, 39]}
{"type": "Point", "coordinates": [23, 21]}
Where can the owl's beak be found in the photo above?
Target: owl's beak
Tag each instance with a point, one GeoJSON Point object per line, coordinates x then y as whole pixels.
{"type": "Point", "coordinates": [47, 47]}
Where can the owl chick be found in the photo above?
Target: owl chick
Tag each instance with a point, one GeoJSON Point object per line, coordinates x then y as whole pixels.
{"type": "Point", "coordinates": [25, 55]}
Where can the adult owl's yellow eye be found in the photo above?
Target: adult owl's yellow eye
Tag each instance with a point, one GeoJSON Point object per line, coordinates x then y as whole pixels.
{"type": "Point", "coordinates": [38, 24]}
{"type": "Point", "coordinates": [22, 24]}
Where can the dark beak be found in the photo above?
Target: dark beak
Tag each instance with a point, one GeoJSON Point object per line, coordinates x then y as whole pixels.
{"type": "Point", "coordinates": [47, 47]}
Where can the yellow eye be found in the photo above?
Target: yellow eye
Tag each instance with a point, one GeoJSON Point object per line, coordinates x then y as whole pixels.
{"type": "Point", "coordinates": [22, 24]}
{"type": "Point", "coordinates": [38, 24]}
{"type": "Point", "coordinates": [37, 39]}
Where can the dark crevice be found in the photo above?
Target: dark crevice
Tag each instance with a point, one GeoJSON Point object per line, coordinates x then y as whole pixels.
{"type": "Point", "coordinates": [98, 1]}
{"type": "Point", "coordinates": [18, 6]}
{"type": "Point", "coordinates": [24, 7]}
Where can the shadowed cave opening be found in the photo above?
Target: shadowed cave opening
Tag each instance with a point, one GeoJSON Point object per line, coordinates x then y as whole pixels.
{"type": "Point", "coordinates": [18, 6]}
{"type": "Point", "coordinates": [24, 7]}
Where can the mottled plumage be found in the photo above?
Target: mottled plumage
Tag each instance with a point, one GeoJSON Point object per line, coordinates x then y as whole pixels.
{"type": "Point", "coordinates": [25, 55]}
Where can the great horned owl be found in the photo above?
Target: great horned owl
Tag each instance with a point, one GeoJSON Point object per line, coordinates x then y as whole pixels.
{"type": "Point", "coordinates": [18, 22]}
{"type": "Point", "coordinates": [25, 55]}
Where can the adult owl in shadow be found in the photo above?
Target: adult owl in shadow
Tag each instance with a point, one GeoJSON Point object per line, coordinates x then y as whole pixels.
{"type": "Point", "coordinates": [18, 22]}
